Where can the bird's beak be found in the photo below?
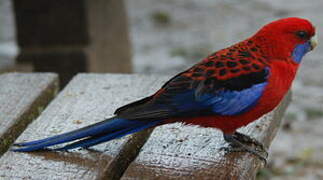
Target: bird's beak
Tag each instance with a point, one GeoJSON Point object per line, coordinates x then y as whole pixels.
{"type": "Point", "coordinates": [313, 42]}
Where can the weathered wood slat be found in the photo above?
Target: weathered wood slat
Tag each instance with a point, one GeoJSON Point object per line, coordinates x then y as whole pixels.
{"type": "Point", "coordinates": [186, 152]}
{"type": "Point", "coordinates": [22, 97]}
{"type": "Point", "coordinates": [87, 99]}
{"type": "Point", "coordinates": [172, 152]}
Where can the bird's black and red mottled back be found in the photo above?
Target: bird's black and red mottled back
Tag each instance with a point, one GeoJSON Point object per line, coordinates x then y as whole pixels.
{"type": "Point", "coordinates": [241, 59]}
{"type": "Point", "coordinates": [236, 68]}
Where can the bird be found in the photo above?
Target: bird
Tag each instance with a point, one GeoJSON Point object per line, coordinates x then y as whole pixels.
{"type": "Point", "coordinates": [226, 90]}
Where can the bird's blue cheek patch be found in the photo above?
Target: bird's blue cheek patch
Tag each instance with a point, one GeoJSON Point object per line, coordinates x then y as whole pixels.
{"type": "Point", "coordinates": [300, 50]}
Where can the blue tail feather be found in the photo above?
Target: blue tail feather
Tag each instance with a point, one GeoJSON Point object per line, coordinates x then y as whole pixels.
{"type": "Point", "coordinates": [85, 143]}
{"type": "Point", "coordinates": [90, 135]}
{"type": "Point", "coordinates": [113, 124]}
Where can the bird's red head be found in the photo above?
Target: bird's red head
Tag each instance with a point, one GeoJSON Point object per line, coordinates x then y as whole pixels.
{"type": "Point", "coordinates": [288, 37]}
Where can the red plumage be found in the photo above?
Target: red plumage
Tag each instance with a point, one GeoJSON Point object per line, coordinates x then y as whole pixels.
{"type": "Point", "coordinates": [280, 80]}
{"type": "Point", "coordinates": [270, 47]}
{"type": "Point", "coordinates": [227, 90]}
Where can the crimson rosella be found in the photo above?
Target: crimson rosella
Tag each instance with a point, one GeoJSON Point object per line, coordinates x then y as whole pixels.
{"type": "Point", "coordinates": [227, 90]}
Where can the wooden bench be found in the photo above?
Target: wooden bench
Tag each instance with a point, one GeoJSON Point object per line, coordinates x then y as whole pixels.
{"type": "Point", "coordinates": [171, 152]}
{"type": "Point", "coordinates": [22, 97]}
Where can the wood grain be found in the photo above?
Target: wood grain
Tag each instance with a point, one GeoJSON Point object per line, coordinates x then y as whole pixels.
{"type": "Point", "coordinates": [87, 99]}
{"type": "Point", "coordinates": [22, 97]}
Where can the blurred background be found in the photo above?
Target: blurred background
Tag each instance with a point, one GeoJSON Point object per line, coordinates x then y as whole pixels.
{"type": "Point", "coordinates": [165, 37]}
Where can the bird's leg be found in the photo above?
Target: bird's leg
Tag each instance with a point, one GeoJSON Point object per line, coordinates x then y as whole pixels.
{"type": "Point", "coordinates": [238, 146]}
{"type": "Point", "coordinates": [248, 140]}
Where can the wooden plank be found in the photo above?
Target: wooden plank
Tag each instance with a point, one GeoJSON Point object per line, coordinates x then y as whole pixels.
{"type": "Point", "coordinates": [86, 99]}
{"type": "Point", "coordinates": [187, 152]}
{"type": "Point", "coordinates": [22, 97]}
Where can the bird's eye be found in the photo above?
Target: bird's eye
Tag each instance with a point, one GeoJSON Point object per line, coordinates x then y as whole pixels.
{"type": "Point", "coordinates": [302, 34]}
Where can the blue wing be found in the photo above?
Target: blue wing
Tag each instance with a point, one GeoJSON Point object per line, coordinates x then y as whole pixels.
{"type": "Point", "coordinates": [183, 97]}
{"type": "Point", "coordinates": [222, 102]}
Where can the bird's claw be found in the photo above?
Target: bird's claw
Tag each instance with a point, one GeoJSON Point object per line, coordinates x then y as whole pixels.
{"type": "Point", "coordinates": [255, 152]}
{"type": "Point", "coordinates": [242, 143]}
{"type": "Point", "coordinates": [249, 140]}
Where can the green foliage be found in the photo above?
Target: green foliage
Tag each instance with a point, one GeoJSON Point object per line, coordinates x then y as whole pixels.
{"type": "Point", "coordinates": [264, 174]}
{"type": "Point", "coordinates": [290, 116]}
{"type": "Point", "coordinates": [313, 113]}
{"type": "Point", "coordinates": [161, 18]}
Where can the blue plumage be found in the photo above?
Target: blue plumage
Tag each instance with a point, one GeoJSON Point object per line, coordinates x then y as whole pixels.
{"type": "Point", "coordinates": [222, 102]}
{"type": "Point", "coordinates": [236, 102]}
{"type": "Point", "coordinates": [91, 135]}
{"type": "Point", "coordinates": [106, 137]}
{"type": "Point", "coordinates": [300, 50]}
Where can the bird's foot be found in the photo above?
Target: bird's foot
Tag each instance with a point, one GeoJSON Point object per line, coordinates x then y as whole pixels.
{"type": "Point", "coordinates": [262, 155]}
{"type": "Point", "coordinates": [238, 145]}
{"type": "Point", "coordinates": [245, 139]}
